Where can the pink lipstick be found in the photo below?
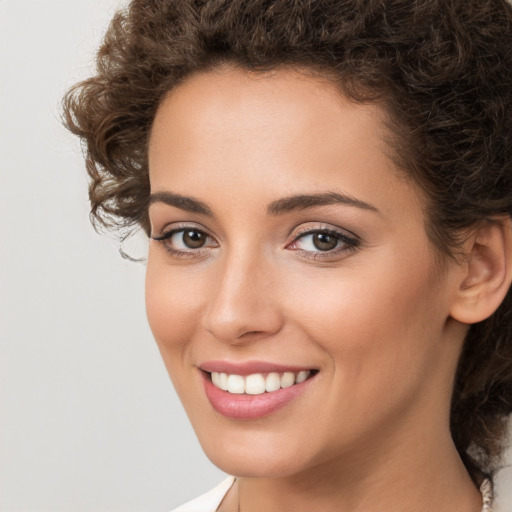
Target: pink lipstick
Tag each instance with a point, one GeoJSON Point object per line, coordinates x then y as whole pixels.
{"type": "Point", "coordinates": [254, 389]}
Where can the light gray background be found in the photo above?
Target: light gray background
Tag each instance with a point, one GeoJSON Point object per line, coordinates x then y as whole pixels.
{"type": "Point", "coordinates": [88, 418]}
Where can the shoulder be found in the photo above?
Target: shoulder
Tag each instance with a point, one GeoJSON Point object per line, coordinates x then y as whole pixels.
{"type": "Point", "coordinates": [209, 501]}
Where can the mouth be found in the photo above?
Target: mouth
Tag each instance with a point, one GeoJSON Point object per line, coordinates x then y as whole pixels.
{"type": "Point", "coordinates": [258, 383]}
{"type": "Point", "coordinates": [244, 393]}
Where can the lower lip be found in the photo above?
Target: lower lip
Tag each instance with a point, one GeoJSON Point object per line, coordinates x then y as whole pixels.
{"type": "Point", "coordinates": [251, 407]}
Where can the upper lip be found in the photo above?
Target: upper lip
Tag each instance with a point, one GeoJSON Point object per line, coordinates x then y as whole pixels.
{"type": "Point", "coordinates": [250, 367]}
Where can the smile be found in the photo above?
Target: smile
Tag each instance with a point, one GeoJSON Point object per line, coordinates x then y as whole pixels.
{"type": "Point", "coordinates": [257, 383]}
{"type": "Point", "coordinates": [253, 390]}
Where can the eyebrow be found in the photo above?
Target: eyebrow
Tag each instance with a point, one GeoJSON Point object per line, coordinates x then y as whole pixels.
{"type": "Point", "coordinates": [188, 204]}
{"type": "Point", "coordinates": [304, 201]}
{"type": "Point", "coordinates": [278, 207]}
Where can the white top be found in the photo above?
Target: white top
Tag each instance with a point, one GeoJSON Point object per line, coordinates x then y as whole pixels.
{"type": "Point", "coordinates": [210, 501]}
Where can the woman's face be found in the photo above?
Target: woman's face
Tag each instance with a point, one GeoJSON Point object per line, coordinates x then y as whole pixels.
{"type": "Point", "coordinates": [287, 246]}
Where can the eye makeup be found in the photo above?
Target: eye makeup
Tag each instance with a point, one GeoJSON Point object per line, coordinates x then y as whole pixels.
{"type": "Point", "coordinates": [317, 243]}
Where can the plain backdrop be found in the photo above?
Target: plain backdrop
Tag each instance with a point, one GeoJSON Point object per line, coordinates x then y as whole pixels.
{"type": "Point", "coordinates": [88, 418]}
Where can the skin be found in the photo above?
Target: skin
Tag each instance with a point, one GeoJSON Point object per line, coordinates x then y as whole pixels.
{"type": "Point", "coordinates": [371, 432]}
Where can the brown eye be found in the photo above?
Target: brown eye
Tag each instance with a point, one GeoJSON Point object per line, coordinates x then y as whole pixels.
{"type": "Point", "coordinates": [194, 239]}
{"type": "Point", "coordinates": [324, 241]}
{"type": "Point", "coordinates": [188, 240]}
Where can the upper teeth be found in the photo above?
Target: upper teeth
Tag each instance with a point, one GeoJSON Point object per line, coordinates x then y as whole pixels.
{"type": "Point", "coordinates": [257, 383]}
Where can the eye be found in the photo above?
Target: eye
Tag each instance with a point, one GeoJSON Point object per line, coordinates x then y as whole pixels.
{"type": "Point", "coordinates": [188, 239]}
{"type": "Point", "coordinates": [320, 243]}
{"type": "Point", "coordinates": [185, 241]}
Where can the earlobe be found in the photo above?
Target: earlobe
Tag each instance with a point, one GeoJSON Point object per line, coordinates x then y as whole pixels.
{"type": "Point", "coordinates": [487, 272]}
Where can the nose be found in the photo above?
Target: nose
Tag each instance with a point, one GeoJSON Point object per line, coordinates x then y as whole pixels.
{"type": "Point", "coordinates": [243, 305]}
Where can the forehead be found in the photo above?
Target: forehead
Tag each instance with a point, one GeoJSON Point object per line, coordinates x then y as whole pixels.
{"type": "Point", "coordinates": [258, 99]}
{"type": "Point", "coordinates": [281, 132]}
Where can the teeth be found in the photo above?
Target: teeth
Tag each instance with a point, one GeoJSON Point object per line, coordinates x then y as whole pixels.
{"type": "Point", "coordinates": [301, 377]}
{"type": "Point", "coordinates": [216, 379]}
{"type": "Point", "coordinates": [256, 383]}
{"type": "Point", "coordinates": [236, 384]}
{"type": "Point", "coordinates": [272, 382]}
{"type": "Point", "coordinates": [220, 380]}
{"type": "Point", "coordinates": [287, 380]}
{"type": "Point", "coordinates": [223, 381]}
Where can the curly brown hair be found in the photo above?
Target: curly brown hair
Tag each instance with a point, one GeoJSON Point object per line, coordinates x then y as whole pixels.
{"type": "Point", "coordinates": [443, 70]}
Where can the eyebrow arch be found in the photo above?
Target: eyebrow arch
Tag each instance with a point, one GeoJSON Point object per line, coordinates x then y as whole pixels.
{"type": "Point", "coordinates": [304, 201]}
{"type": "Point", "coordinates": [278, 207]}
{"type": "Point", "coordinates": [182, 202]}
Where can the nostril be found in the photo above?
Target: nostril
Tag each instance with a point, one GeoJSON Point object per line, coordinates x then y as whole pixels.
{"type": "Point", "coordinates": [250, 333]}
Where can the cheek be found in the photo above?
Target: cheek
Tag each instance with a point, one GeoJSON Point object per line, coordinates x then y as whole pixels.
{"type": "Point", "coordinates": [171, 308]}
{"type": "Point", "coordinates": [173, 314]}
{"type": "Point", "coordinates": [382, 339]}
{"type": "Point", "coordinates": [376, 321]}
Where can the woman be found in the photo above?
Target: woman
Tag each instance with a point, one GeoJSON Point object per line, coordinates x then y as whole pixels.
{"type": "Point", "coordinates": [327, 189]}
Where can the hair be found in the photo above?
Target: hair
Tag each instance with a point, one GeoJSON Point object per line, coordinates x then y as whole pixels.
{"type": "Point", "coordinates": [442, 69]}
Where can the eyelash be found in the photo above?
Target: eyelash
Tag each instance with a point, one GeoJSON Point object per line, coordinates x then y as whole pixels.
{"type": "Point", "coordinates": [191, 253]}
{"type": "Point", "coordinates": [350, 243]}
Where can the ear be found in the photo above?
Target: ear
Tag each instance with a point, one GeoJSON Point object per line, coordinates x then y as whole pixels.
{"type": "Point", "coordinates": [486, 271]}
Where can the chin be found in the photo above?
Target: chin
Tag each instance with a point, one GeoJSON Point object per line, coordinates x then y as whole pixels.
{"type": "Point", "coordinates": [255, 455]}
{"type": "Point", "coordinates": [254, 466]}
